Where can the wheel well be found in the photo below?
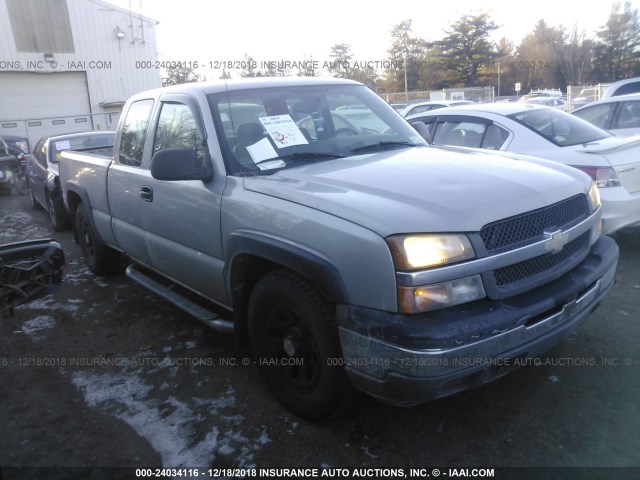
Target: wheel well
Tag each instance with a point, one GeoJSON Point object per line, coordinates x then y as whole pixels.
{"type": "Point", "coordinates": [247, 270]}
{"type": "Point", "coordinates": [73, 200]}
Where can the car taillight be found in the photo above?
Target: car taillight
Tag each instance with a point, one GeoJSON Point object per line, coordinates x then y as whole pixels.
{"type": "Point", "coordinates": [602, 176]}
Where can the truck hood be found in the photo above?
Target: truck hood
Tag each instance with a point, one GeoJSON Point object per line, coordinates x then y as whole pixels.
{"type": "Point", "coordinates": [423, 189]}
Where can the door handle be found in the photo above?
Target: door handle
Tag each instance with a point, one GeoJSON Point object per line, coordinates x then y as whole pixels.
{"type": "Point", "coordinates": [146, 193]}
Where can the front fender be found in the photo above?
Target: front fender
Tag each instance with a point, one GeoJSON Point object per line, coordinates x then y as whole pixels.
{"type": "Point", "coordinates": [310, 265]}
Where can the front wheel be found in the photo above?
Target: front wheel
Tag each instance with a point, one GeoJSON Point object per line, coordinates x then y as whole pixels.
{"type": "Point", "coordinates": [295, 340]}
{"type": "Point", "coordinates": [100, 259]}
{"type": "Point", "coordinates": [34, 203]}
{"type": "Point", "coordinates": [57, 213]}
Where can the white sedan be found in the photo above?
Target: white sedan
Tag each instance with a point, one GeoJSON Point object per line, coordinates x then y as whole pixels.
{"type": "Point", "coordinates": [613, 163]}
{"type": "Point", "coordinates": [427, 106]}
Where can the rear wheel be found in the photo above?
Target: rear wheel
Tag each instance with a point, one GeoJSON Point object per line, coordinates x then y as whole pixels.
{"type": "Point", "coordinates": [100, 259]}
{"type": "Point", "coordinates": [294, 337]}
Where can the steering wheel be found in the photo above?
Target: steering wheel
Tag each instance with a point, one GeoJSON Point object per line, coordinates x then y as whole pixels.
{"type": "Point", "coordinates": [345, 132]}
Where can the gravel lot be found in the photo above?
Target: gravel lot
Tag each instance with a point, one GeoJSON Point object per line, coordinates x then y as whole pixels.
{"type": "Point", "coordinates": [104, 374]}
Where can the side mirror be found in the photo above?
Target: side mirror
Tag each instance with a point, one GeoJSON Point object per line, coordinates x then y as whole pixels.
{"type": "Point", "coordinates": [180, 164]}
{"type": "Point", "coordinates": [423, 130]}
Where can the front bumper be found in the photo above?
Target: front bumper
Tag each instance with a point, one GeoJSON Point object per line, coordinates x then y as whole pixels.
{"type": "Point", "coordinates": [410, 359]}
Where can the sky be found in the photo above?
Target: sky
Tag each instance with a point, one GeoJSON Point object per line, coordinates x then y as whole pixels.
{"type": "Point", "coordinates": [211, 31]}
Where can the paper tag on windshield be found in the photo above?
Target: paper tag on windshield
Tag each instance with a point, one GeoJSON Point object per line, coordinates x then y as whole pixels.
{"type": "Point", "coordinates": [63, 145]}
{"type": "Point", "coordinates": [283, 131]}
{"type": "Point", "coordinates": [263, 150]}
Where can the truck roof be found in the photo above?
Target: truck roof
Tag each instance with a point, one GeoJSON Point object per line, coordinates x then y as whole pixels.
{"type": "Point", "coordinates": [217, 86]}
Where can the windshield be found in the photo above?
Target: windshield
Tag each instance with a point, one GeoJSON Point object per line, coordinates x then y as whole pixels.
{"type": "Point", "coordinates": [558, 127]}
{"type": "Point", "coordinates": [277, 127]}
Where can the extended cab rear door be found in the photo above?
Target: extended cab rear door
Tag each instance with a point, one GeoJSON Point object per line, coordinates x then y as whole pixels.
{"type": "Point", "coordinates": [181, 219]}
{"type": "Point", "coordinates": [127, 178]}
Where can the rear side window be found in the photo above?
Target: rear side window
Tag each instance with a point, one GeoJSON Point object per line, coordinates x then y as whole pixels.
{"type": "Point", "coordinates": [494, 137]}
{"type": "Point", "coordinates": [134, 130]}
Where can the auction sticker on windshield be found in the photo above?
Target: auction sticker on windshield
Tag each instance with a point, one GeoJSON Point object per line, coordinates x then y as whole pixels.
{"type": "Point", "coordinates": [283, 131]}
{"type": "Point", "coordinates": [63, 145]}
{"type": "Point", "coordinates": [261, 151]}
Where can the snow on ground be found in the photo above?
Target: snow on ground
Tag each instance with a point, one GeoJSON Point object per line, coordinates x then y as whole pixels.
{"type": "Point", "coordinates": [35, 325]}
{"type": "Point", "coordinates": [171, 425]}
{"type": "Point", "coordinates": [49, 303]}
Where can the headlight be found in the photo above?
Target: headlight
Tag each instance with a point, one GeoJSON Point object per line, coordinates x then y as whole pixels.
{"type": "Point", "coordinates": [594, 198]}
{"type": "Point", "coordinates": [413, 252]}
{"type": "Point", "coordinates": [441, 295]}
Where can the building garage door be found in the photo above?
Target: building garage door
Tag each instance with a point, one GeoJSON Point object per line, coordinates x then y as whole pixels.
{"type": "Point", "coordinates": [39, 104]}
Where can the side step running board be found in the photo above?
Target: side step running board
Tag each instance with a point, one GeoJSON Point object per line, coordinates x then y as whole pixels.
{"type": "Point", "coordinates": [171, 293]}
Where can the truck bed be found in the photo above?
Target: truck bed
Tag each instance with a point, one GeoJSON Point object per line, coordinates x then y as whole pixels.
{"type": "Point", "coordinates": [89, 168]}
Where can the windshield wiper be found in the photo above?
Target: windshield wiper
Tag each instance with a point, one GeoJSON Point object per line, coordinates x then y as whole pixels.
{"type": "Point", "coordinates": [302, 157]}
{"type": "Point", "coordinates": [382, 146]}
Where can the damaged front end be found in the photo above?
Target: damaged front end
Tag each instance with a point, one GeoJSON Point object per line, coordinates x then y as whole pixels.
{"type": "Point", "coordinates": [29, 270]}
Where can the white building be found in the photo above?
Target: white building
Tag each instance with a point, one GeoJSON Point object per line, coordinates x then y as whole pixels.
{"type": "Point", "coordinates": [69, 65]}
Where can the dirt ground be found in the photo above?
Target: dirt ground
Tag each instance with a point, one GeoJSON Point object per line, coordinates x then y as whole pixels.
{"type": "Point", "coordinates": [104, 374]}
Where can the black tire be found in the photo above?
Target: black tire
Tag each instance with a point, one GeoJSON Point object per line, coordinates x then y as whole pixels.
{"type": "Point", "coordinates": [289, 321]}
{"type": "Point", "coordinates": [100, 259]}
{"type": "Point", "coordinates": [34, 203]}
{"type": "Point", "coordinates": [57, 213]}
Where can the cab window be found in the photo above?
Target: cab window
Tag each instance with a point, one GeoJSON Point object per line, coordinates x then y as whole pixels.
{"type": "Point", "coordinates": [177, 128]}
{"type": "Point", "coordinates": [134, 130]}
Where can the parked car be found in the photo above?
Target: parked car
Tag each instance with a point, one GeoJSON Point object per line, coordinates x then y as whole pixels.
{"type": "Point", "coordinates": [17, 145]}
{"type": "Point", "coordinates": [622, 87]}
{"type": "Point", "coordinates": [541, 93]}
{"type": "Point", "coordinates": [585, 97]}
{"type": "Point", "coordinates": [11, 172]}
{"type": "Point", "coordinates": [553, 102]}
{"type": "Point", "coordinates": [398, 107]}
{"type": "Point", "coordinates": [432, 105]}
{"type": "Point", "coordinates": [613, 163]}
{"type": "Point", "coordinates": [42, 170]}
{"type": "Point", "coordinates": [366, 255]}
{"type": "Point", "coordinates": [619, 115]}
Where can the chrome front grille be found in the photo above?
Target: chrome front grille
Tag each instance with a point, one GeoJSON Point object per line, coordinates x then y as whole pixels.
{"type": "Point", "coordinates": [529, 228]}
{"type": "Point", "coordinates": [530, 268]}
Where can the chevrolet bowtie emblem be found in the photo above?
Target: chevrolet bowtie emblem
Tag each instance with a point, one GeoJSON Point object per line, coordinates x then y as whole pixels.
{"type": "Point", "coordinates": [556, 242]}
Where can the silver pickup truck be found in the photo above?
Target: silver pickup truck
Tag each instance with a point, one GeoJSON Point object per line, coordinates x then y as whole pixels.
{"type": "Point", "coordinates": [308, 217]}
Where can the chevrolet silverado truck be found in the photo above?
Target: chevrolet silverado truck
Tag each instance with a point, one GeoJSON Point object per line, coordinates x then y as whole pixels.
{"type": "Point", "coordinates": [310, 219]}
